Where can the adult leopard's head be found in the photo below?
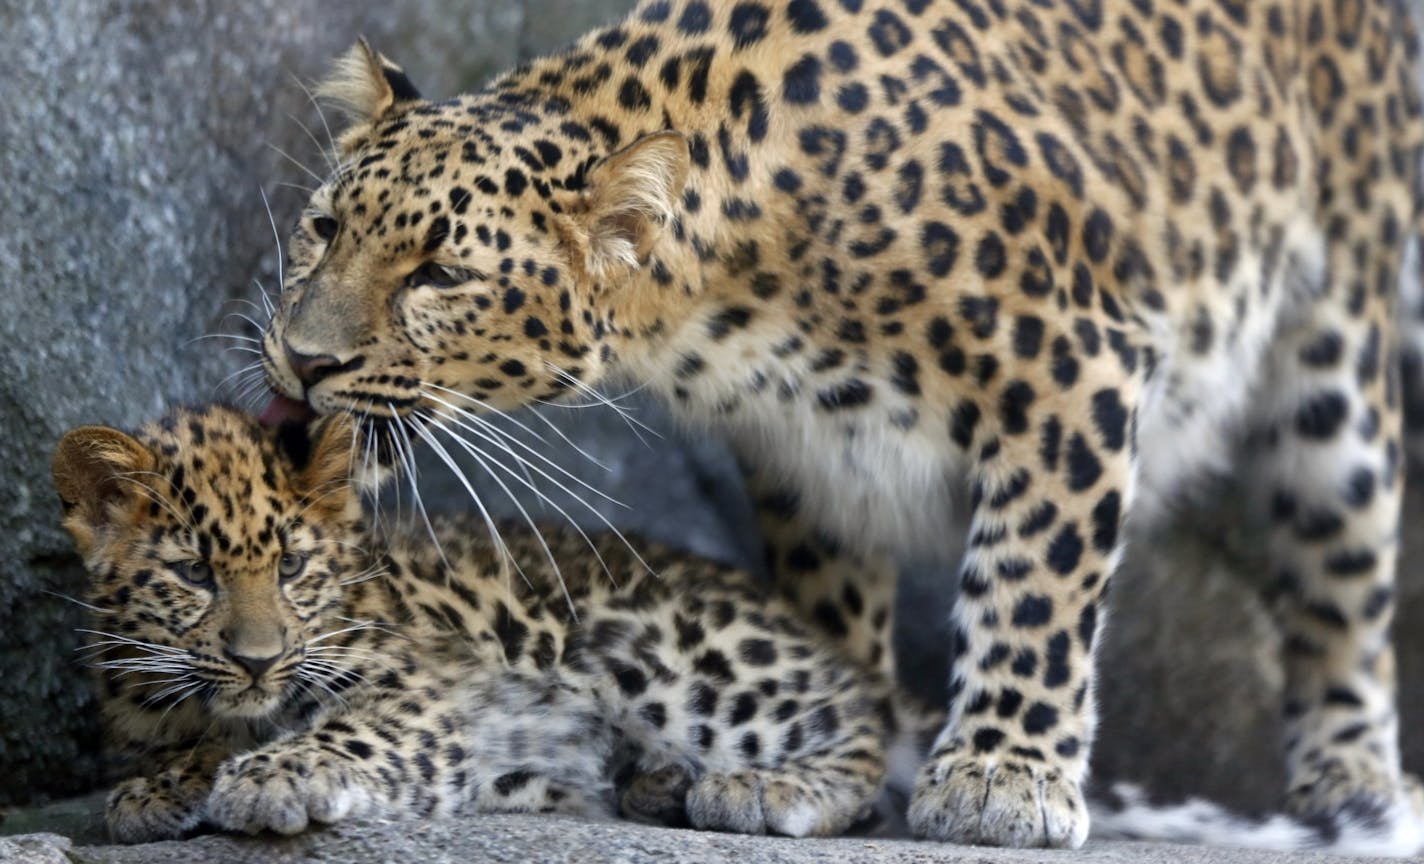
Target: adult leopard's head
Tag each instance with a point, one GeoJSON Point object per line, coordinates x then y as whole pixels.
{"type": "Point", "coordinates": [217, 549]}
{"type": "Point", "coordinates": [460, 253]}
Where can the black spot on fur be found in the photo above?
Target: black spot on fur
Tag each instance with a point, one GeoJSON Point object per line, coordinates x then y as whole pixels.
{"type": "Point", "coordinates": [757, 652]}
{"type": "Point", "coordinates": [748, 24]}
{"type": "Point", "coordinates": [630, 679]}
{"type": "Point", "coordinates": [1066, 550]}
{"type": "Point", "coordinates": [1084, 468]}
{"type": "Point", "coordinates": [1039, 718]}
{"type": "Point", "coordinates": [986, 740]}
{"type": "Point", "coordinates": [806, 16]}
{"type": "Point", "coordinates": [1321, 416]}
{"type": "Point", "coordinates": [1033, 610]}
{"type": "Point", "coordinates": [696, 18]}
{"type": "Point", "coordinates": [1110, 417]}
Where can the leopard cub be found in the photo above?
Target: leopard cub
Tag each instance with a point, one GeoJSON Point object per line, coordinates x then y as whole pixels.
{"type": "Point", "coordinates": [269, 660]}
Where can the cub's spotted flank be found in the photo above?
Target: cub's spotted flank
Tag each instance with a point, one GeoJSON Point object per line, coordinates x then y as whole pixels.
{"type": "Point", "coordinates": [268, 664]}
{"type": "Point", "coordinates": [1054, 257]}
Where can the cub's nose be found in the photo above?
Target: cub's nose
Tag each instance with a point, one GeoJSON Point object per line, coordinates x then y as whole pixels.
{"type": "Point", "coordinates": [255, 666]}
{"type": "Point", "coordinates": [310, 368]}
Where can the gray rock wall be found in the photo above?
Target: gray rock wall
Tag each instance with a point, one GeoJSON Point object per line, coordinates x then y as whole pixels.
{"type": "Point", "coordinates": [134, 139]}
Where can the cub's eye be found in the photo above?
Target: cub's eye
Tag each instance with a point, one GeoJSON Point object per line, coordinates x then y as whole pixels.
{"type": "Point", "coordinates": [291, 565]}
{"type": "Point", "coordinates": [438, 276]}
{"type": "Point", "coordinates": [325, 227]}
{"type": "Point", "coordinates": [198, 573]}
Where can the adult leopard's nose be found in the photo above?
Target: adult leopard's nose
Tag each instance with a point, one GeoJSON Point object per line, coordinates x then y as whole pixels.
{"type": "Point", "coordinates": [310, 368]}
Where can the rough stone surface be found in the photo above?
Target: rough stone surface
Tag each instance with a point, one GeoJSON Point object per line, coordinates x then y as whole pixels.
{"type": "Point", "coordinates": [134, 140]}
{"type": "Point", "coordinates": [521, 839]}
{"type": "Point", "coordinates": [34, 849]}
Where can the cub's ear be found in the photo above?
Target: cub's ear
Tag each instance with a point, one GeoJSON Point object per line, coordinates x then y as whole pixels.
{"type": "Point", "coordinates": [365, 84]}
{"type": "Point", "coordinates": [629, 197]}
{"type": "Point", "coordinates": [91, 466]}
{"type": "Point", "coordinates": [320, 459]}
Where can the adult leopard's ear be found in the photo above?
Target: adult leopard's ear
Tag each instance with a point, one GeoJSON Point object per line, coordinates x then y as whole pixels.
{"type": "Point", "coordinates": [628, 198]}
{"type": "Point", "coordinates": [94, 472]}
{"type": "Point", "coordinates": [365, 84]}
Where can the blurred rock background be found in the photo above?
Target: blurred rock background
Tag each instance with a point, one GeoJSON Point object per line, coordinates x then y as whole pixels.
{"type": "Point", "coordinates": [137, 140]}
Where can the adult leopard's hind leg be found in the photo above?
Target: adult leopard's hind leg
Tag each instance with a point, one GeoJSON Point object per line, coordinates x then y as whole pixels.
{"type": "Point", "coordinates": [847, 595]}
{"type": "Point", "coordinates": [1334, 476]}
{"type": "Point", "coordinates": [1333, 461]}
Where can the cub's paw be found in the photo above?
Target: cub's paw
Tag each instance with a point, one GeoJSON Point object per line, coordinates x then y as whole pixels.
{"type": "Point", "coordinates": [658, 797]}
{"type": "Point", "coordinates": [764, 802]}
{"type": "Point", "coordinates": [142, 810]}
{"type": "Point", "coordinates": [284, 792]}
{"type": "Point", "coordinates": [992, 801]}
{"type": "Point", "coordinates": [1358, 797]}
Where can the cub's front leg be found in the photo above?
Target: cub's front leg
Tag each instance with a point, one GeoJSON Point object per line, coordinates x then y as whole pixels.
{"type": "Point", "coordinates": [378, 752]}
{"type": "Point", "coordinates": [1050, 486]}
{"type": "Point", "coordinates": [429, 744]}
{"type": "Point", "coordinates": [308, 778]}
{"type": "Point", "coordinates": [167, 802]}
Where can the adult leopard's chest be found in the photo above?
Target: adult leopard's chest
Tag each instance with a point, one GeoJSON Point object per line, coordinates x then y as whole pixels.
{"type": "Point", "coordinates": [860, 476]}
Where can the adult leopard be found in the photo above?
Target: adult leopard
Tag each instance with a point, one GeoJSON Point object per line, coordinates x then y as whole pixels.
{"type": "Point", "coordinates": [1061, 254]}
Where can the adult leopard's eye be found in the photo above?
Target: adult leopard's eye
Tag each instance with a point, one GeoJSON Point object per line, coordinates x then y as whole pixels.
{"type": "Point", "coordinates": [291, 565]}
{"type": "Point", "coordinates": [438, 276]}
{"type": "Point", "coordinates": [325, 227]}
{"type": "Point", "coordinates": [198, 573]}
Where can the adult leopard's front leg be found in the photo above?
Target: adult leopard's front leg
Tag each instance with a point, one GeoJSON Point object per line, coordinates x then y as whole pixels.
{"type": "Point", "coordinates": [1051, 482]}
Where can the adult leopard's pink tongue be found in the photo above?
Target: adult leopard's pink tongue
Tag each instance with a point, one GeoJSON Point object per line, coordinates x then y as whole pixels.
{"type": "Point", "coordinates": [283, 410]}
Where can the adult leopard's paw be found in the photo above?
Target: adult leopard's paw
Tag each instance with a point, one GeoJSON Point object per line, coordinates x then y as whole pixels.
{"type": "Point", "coordinates": [1368, 809]}
{"type": "Point", "coordinates": [284, 792]}
{"type": "Point", "coordinates": [993, 801]}
{"type": "Point", "coordinates": [142, 810]}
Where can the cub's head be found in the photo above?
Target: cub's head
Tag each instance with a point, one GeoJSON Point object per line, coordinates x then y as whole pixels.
{"type": "Point", "coordinates": [217, 550]}
{"type": "Point", "coordinates": [462, 251]}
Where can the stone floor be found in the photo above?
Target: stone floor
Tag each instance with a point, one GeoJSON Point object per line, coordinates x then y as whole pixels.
{"type": "Point", "coordinates": [71, 833]}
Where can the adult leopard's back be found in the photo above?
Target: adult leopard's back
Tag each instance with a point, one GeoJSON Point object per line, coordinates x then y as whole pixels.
{"type": "Point", "coordinates": [1065, 255]}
